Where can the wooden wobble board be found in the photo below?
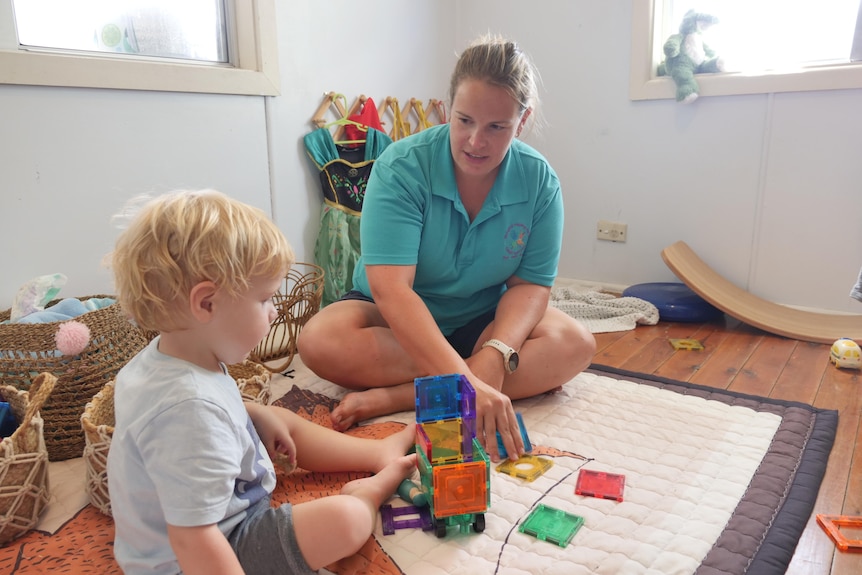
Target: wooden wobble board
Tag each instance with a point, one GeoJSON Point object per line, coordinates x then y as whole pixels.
{"type": "Point", "coordinates": [756, 311]}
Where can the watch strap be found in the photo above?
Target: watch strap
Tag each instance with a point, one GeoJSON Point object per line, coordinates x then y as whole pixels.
{"type": "Point", "coordinates": [499, 346]}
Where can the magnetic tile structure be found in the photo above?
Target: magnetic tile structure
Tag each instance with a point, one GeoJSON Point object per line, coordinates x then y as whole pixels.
{"type": "Point", "coordinates": [453, 466]}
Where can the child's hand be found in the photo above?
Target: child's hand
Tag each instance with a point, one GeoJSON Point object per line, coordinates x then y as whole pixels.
{"type": "Point", "coordinates": [274, 433]}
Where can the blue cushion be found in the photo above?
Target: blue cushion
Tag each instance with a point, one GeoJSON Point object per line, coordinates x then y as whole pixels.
{"type": "Point", "coordinates": [675, 301]}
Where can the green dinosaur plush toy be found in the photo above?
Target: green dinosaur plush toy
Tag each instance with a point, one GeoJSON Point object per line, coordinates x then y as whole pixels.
{"type": "Point", "coordinates": [686, 55]}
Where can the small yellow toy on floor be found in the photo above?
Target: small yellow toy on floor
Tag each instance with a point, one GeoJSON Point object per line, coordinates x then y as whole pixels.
{"type": "Point", "coordinates": [846, 353]}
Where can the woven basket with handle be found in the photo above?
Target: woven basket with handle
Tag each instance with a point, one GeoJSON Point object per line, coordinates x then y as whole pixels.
{"type": "Point", "coordinates": [296, 303]}
{"type": "Point", "coordinates": [24, 488]}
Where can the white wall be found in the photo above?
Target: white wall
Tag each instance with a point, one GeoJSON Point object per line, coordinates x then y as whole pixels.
{"type": "Point", "coordinates": [379, 49]}
{"type": "Point", "coordinates": [72, 157]}
{"type": "Point", "coordinates": [764, 188]}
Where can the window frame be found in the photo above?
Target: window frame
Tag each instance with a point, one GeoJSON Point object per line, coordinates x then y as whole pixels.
{"type": "Point", "coordinates": [645, 85]}
{"type": "Point", "coordinates": [253, 69]}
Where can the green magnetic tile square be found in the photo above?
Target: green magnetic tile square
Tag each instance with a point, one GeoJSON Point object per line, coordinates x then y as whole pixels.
{"type": "Point", "coordinates": [551, 525]}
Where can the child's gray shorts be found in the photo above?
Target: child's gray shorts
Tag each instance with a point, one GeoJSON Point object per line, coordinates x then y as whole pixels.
{"type": "Point", "coordinates": [265, 542]}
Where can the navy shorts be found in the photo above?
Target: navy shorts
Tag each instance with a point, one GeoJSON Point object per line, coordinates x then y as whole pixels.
{"type": "Point", "coordinates": [462, 339]}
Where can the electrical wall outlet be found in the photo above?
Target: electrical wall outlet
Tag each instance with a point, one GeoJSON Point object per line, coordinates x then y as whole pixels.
{"type": "Point", "coordinates": [611, 231]}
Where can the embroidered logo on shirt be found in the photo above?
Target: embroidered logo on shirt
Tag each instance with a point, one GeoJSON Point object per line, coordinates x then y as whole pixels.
{"type": "Point", "coordinates": [516, 240]}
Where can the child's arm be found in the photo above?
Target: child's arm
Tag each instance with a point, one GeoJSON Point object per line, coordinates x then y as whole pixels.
{"type": "Point", "coordinates": [272, 429]}
{"type": "Point", "coordinates": [203, 550]}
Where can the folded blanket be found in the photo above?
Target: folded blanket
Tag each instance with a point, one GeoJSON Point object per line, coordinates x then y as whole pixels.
{"type": "Point", "coordinates": [66, 309]}
{"type": "Point", "coordinates": [602, 312]}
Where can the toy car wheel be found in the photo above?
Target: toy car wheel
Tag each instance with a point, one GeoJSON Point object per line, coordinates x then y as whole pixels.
{"type": "Point", "coordinates": [440, 527]}
{"type": "Point", "coordinates": [479, 524]}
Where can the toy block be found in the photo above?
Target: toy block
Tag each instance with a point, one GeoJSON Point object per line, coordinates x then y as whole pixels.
{"type": "Point", "coordinates": [460, 488]}
{"type": "Point", "coordinates": [528, 447]}
{"type": "Point", "coordinates": [421, 517]}
{"type": "Point", "coordinates": [600, 484]}
{"type": "Point", "coordinates": [832, 524]}
{"type": "Point", "coordinates": [438, 397]}
{"type": "Point", "coordinates": [527, 467]}
{"type": "Point", "coordinates": [551, 525]}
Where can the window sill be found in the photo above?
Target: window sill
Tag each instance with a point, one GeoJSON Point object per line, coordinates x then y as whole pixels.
{"type": "Point", "coordinates": [644, 85]}
{"type": "Point", "coordinates": [846, 76]}
{"type": "Point", "coordinates": [44, 69]}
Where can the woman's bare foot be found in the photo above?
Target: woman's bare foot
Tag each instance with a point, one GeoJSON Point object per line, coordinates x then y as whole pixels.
{"type": "Point", "coordinates": [361, 405]}
{"type": "Point", "coordinates": [378, 488]}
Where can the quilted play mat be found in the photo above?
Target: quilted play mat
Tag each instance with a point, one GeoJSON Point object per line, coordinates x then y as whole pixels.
{"type": "Point", "coordinates": [697, 480]}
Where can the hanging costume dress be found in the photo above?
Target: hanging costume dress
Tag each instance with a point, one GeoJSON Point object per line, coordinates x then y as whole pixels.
{"type": "Point", "coordinates": [344, 174]}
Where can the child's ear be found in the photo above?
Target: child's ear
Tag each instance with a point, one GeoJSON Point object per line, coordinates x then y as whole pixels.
{"type": "Point", "coordinates": [201, 300]}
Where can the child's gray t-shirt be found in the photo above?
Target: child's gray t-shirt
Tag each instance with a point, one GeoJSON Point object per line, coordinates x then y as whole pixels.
{"type": "Point", "coordinates": [184, 451]}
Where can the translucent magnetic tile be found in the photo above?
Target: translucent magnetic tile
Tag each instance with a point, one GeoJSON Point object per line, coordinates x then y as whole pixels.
{"type": "Point", "coordinates": [600, 484]}
{"type": "Point", "coordinates": [460, 488]}
{"type": "Point", "coordinates": [832, 525]}
{"type": "Point", "coordinates": [551, 525]}
{"type": "Point", "coordinates": [445, 440]}
{"type": "Point", "coordinates": [528, 446]}
{"type": "Point", "coordinates": [527, 467]}
{"type": "Point", "coordinates": [438, 397]}
{"type": "Point", "coordinates": [686, 344]}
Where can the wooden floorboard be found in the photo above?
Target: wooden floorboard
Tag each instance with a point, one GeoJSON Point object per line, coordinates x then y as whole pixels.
{"type": "Point", "coordinates": [744, 359]}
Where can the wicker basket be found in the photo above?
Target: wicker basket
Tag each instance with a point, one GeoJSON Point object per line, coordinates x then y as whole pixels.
{"type": "Point", "coordinates": [253, 381]}
{"type": "Point", "coordinates": [97, 422]}
{"type": "Point", "coordinates": [24, 460]}
{"type": "Point", "coordinates": [296, 304]}
{"type": "Point", "coordinates": [29, 349]}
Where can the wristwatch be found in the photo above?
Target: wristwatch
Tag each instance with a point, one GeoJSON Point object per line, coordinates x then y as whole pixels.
{"type": "Point", "coordinates": [510, 356]}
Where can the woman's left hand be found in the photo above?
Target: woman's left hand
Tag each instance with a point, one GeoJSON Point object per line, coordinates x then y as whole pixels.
{"type": "Point", "coordinates": [495, 413]}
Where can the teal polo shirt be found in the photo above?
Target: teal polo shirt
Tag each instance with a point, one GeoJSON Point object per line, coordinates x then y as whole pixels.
{"type": "Point", "coordinates": [413, 216]}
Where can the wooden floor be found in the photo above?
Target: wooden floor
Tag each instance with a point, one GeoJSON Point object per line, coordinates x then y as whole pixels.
{"type": "Point", "coordinates": [744, 359]}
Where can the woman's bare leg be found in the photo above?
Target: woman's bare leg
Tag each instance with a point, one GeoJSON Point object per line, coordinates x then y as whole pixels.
{"type": "Point", "coordinates": [361, 405]}
{"type": "Point", "coordinates": [349, 343]}
{"type": "Point", "coordinates": [558, 348]}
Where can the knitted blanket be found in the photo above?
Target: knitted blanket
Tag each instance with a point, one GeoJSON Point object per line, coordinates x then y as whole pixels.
{"type": "Point", "coordinates": [602, 312]}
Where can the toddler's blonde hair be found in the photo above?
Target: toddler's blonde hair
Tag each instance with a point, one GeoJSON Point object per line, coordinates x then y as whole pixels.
{"type": "Point", "coordinates": [180, 239]}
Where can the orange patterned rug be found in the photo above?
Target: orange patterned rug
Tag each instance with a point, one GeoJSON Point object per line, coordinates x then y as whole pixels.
{"type": "Point", "coordinates": [84, 544]}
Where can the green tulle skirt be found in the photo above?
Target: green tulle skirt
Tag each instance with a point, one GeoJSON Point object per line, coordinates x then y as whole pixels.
{"type": "Point", "coordinates": [337, 251]}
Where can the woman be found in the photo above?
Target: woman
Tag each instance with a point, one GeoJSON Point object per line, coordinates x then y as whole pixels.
{"type": "Point", "coordinates": [460, 232]}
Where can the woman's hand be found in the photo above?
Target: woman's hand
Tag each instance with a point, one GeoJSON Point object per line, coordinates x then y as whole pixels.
{"type": "Point", "coordinates": [273, 430]}
{"type": "Point", "coordinates": [494, 412]}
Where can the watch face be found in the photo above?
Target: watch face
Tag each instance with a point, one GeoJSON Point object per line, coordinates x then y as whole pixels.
{"type": "Point", "coordinates": [513, 361]}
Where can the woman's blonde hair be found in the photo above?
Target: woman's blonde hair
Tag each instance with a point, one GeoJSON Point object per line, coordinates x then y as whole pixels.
{"type": "Point", "coordinates": [180, 239]}
{"type": "Point", "coordinates": [499, 62]}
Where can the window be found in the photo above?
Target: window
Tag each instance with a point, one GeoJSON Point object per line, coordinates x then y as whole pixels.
{"type": "Point", "coordinates": [761, 43]}
{"type": "Point", "coordinates": [216, 46]}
